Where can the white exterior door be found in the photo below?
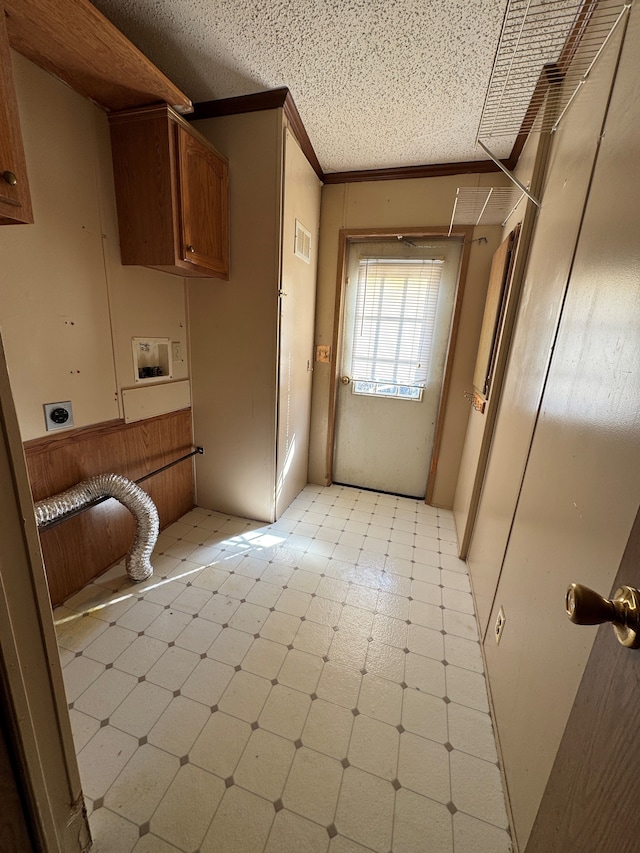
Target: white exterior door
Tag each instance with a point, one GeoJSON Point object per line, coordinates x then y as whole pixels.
{"type": "Point", "coordinates": [398, 307]}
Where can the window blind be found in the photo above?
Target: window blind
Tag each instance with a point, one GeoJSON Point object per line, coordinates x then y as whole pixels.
{"type": "Point", "coordinates": [395, 317]}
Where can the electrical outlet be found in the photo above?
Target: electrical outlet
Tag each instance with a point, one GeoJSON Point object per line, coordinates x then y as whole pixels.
{"type": "Point", "coordinates": [500, 624]}
{"type": "Point", "coordinates": [323, 353]}
{"type": "Point", "coordinates": [58, 415]}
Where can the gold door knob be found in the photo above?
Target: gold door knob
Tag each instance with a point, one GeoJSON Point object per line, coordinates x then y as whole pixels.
{"type": "Point", "coordinates": [10, 178]}
{"type": "Point", "coordinates": [191, 249]}
{"type": "Point", "coordinates": [586, 607]}
{"type": "Point", "coordinates": [346, 380]}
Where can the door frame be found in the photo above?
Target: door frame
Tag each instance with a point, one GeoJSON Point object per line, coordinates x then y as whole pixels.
{"type": "Point", "coordinates": [32, 695]}
{"type": "Point", "coordinates": [504, 315]}
{"type": "Point", "coordinates": [360, 235]}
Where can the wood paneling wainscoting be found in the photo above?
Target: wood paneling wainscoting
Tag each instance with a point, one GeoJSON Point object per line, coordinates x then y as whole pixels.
{"type": "Point", "coordinates": [86, 545]}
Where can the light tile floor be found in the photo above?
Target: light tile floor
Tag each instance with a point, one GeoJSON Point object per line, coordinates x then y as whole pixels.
{"type": "Point", "coordinates": [310, 685]}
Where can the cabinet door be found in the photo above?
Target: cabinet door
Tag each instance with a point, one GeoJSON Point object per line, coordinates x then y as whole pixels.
{"type": "Point", "coordinates": [15, 203]}
{"type": "Point", "coordinates": [204, 205]}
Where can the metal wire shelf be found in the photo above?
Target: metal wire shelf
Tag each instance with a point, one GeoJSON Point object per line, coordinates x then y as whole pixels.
{"type": "Point", "coordinates": [484, 205]}
{"type": "Point", "coordinates": [545, 45]}
{"type": "Point", "coordinates": [542, 42]}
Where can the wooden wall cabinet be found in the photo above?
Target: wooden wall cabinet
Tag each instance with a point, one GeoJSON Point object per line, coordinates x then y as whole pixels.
{"type": "Point", "coordinates": [171, 194]}
{"type": "Point", "coordinates": [15, 201]}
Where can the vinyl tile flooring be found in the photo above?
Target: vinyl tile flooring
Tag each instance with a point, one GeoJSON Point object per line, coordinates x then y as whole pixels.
{"type": "Point", "coordinates": [311, 685]}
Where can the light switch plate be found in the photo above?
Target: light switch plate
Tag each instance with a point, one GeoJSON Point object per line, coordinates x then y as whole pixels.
{"type": "Point", "coordinates": [178, 351]}
{"type": "Point", "coordinates": [58, 415]}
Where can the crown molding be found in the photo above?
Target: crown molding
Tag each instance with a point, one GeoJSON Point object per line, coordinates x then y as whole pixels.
{"type": "Point", "coordinates": [281, 98]}
{"type": "Point", "coordinates": [437, 170]}
{"type": "Point", "coordinates": [272, 99]}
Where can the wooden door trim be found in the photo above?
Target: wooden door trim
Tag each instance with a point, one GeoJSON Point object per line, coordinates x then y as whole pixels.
{"type": "Point", "coordinates": [448, 365]}
{"type": "Point", "coordinates": [351, 235]}
{"type": "Point", "coordinates": [497, 366]}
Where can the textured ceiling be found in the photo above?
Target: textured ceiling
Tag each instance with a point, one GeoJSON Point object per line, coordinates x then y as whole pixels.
{"type": "Point", "coordinates": [377, 84]}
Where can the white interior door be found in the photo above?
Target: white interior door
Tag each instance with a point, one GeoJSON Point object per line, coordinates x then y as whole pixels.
{"type": "Point", "coordinates": [398, 307]}
{"type": "Point", "coordinates": [301, 216]}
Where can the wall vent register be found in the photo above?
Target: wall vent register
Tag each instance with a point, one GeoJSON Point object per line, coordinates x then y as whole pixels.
{"type": "Point", "coordinates": [302, 244]}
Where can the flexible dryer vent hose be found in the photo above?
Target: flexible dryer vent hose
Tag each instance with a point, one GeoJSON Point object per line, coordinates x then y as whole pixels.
{"type": "Point", "coordinates": [129, 494]}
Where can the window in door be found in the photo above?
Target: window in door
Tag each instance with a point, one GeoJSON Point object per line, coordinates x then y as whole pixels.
{"type": "Point", "coordinates": [395, 316]}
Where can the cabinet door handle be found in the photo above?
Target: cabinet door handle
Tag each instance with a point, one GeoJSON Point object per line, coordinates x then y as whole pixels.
{"type": "Point", "coordinates": [191, 249]}
{"type": "Point", "coordinates": [10, 178]}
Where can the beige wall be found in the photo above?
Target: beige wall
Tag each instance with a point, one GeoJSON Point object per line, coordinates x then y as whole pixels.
{"type": "Point", "coordinates": [68, 309]}
{"type": "Point", "coordinates": [234, 326]}
{"type": "Point", "coordinates": [398, 204]}
{"type": "Point", "coordinates": [568, 173]}
{"type": "Point", "coordinates": [564, 456]}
